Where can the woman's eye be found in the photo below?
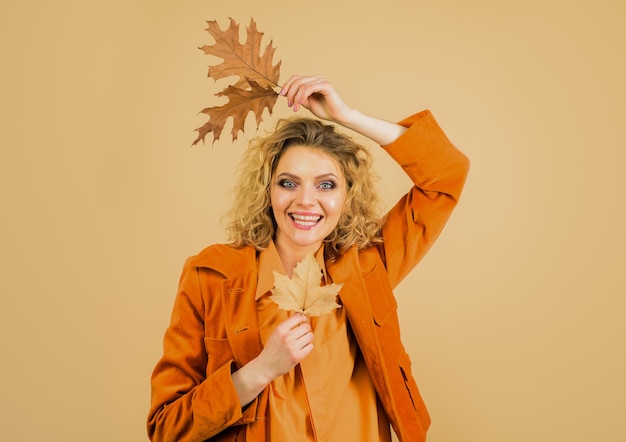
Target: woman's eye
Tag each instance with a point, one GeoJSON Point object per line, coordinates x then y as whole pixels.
{"type": "Point", "coordinates": [327, 185]}
{"type": "Point", "coordinates": [287, 184]}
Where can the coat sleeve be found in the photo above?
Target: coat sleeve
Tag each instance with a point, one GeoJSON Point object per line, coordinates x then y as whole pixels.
{"type": "Point", "coordinates": [186, 404]}
{"type": "Point", "coordinates": [438, 171]}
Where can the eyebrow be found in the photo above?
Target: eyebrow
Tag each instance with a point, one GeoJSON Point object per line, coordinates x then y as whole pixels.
{"type": "Point", "coordinates": [319, 177]}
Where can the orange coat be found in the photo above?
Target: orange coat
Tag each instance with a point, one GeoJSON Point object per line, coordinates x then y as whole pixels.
{"type": "Point", "coordinates": [214, 328]}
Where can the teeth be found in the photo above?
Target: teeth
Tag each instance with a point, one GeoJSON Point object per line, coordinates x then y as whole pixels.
{"type": "Point", "coordinates": [306, 220]}
{"type": "Point", "coordinates": [305, 217]}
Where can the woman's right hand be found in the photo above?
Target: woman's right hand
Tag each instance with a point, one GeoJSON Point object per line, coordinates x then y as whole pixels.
{"type": "Point", "coordinates": [290, 342]}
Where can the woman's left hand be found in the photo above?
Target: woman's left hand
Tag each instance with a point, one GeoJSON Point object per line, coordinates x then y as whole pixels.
{"type": "Point", "coordinates": [316, 94]}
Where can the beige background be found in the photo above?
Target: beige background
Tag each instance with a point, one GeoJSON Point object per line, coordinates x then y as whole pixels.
{"type": "Point", "coordinates": [516, 319]}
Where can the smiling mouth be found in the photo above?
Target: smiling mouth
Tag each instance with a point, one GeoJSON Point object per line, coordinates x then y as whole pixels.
{"type": "Point", "coordinates": [305, 220]}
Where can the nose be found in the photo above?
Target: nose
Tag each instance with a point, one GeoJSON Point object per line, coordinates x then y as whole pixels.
{"type": "Point", "coordinates": [306, 196]}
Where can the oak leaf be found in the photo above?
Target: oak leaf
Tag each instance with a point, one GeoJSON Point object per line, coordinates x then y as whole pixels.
{"type": "Point", "coordinates": [303, 292]}
{"type": "Point", "coordinates": [256, 77]}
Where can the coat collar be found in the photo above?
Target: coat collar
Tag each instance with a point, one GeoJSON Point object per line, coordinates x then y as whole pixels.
{"type": "Point", "coordinates": [231, 262]}
{"type": "Point", "coordinates": [268, 262]}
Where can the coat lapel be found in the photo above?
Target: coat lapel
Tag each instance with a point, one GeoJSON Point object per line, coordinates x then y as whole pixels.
{"type": "Point", "coordinates": [355, 298]}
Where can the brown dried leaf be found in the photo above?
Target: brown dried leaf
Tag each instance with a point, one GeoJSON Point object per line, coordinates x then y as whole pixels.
{"type": "Point", "coordinates": [256, 75]}
{"type": "Point", "coordinates": [243, 61]}
{"type": "Point", "coordinates": [240, 103]}
{"type": "Point", "coordinates": [302, 292]}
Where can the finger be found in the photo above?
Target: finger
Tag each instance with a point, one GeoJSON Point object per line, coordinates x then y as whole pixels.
{"type": "Point", "coordinates": [292, 321]}
{"type": "Point", "coordinates": [292, 91]}
{"type": "Point", "coordinates": [287, 84]}
{"type": "Point", "coordinates": [299, 88]}
{"type": "Point", "coordinates": [305, 343]}
{"type": "Point", "coordinates": [290, 87]}
{"type": "Point", "coordinates": [296, 331]}
{"type": "Point", "coordinates": [301, 330]}
{"type": "Point", "coordinates": [306, 89]}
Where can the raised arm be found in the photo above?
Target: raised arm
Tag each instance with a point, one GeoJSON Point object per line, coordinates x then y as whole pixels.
{"type": "Point", "coordinates": [318, 95]}
{"type": "Point", "coordinates": [436, 167]}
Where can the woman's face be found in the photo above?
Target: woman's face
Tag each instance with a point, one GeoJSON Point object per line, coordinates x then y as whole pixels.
{"type": "Point", "coordinates": [307, 194]}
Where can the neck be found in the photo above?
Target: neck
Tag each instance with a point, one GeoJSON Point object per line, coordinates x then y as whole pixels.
{"type": "Point", "coordinates": [290, 256]}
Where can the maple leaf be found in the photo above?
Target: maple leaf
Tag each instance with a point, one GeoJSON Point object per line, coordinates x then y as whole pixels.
{"type": "Point", "coordinates": [303, 292]}
{"type": "Point", "coordinates": [256, 77]}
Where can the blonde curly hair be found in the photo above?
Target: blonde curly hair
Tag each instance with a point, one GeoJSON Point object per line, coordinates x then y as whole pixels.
{"type": "Point", "coordinates": [250, 220]}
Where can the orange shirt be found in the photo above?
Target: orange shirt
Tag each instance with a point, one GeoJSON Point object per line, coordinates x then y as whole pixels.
{"type": "Point", "coordinates": [329, 396]}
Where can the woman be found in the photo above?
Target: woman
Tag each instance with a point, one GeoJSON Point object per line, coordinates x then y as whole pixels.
{"type": "Point", "coordinates": [236, 367]}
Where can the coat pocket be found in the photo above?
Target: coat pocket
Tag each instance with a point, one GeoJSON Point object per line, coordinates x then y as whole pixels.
{"type": "Point", "coordinates": [218, 353]}
{"type": "Point", "coordinates": [380, 293]}
{"type": "Point", "coordinates": [413, 391]}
